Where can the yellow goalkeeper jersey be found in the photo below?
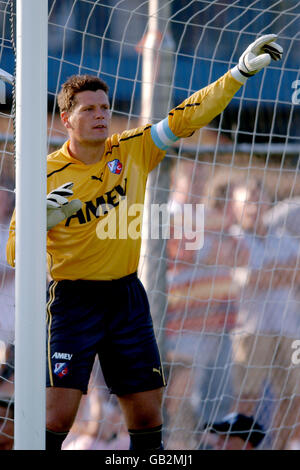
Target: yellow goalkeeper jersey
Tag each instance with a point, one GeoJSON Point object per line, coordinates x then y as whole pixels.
{"type": "Point", "coordinates": [102, 240]}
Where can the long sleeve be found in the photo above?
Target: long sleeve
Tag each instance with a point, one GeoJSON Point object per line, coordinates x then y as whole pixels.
{"type": "Point", "coordinates": [10, 246]}
{"type": "Point", "coordinates": [196, 111]}
{"type": "Point", "coordinates": [203, 106]}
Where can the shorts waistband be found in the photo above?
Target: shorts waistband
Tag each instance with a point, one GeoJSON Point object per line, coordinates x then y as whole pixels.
{"type": "Point", "coordinates": [106, 283]}
{"type": "Point", "coordinates": [124, 279]}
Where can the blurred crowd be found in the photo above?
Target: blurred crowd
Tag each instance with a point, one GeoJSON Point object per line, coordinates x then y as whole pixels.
{"type": "Point", "coordinates": [233, 315]}
{"type": "Point", "coordinates": [231, 322]}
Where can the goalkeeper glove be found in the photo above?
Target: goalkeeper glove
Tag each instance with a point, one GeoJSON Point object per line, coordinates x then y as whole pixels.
{"type": "Point", "coordinates": [257, 56]}
{"type": "Point", "coordinates": [58, 206]}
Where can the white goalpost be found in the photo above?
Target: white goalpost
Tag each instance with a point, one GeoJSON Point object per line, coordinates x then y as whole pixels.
{"type": "Point", "coordinates": [157, 48]}
{"type": "Point", "coordinates": [31, 150]}
{"type": "Point", "coordinates": [227, 315]}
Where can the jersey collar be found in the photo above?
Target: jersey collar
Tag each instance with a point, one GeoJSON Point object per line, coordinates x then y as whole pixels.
{"type": "Point", "coordinates": [65, 151]}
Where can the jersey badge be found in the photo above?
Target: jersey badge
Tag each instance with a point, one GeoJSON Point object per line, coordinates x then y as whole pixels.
{"type": "Point", "coordinates": [115, 166]}
{"type": "Point", "coordinates": [61, 369]}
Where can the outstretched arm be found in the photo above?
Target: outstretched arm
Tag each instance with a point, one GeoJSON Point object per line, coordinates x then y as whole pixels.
{"type": "Point", "coordinates": [204, 105]}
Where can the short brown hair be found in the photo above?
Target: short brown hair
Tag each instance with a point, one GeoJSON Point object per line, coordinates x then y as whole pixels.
{"type": "Point", "coordinates": [75, 84]}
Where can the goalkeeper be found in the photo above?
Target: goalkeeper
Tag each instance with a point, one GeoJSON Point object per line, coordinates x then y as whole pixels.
{"type": "Point", "coordinates": [96, 304]}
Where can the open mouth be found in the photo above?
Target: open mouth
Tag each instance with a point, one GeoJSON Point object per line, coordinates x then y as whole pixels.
{"type": "Point", "coordinates": [99, 126]}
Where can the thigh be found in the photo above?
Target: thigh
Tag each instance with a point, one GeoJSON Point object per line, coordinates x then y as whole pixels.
{"type": "Point", "coordinates": [214, 379]}
{"type": "Point", "coordinates": [61, 408]}
{"type": "Point", "coordinates": [142, 410]}
{"type": "Point", "coordinates": [254, 356]}
{"type": "Point", "coordinates": [285, 374]}
{"type": "Point", "coordinates": [130, 358]}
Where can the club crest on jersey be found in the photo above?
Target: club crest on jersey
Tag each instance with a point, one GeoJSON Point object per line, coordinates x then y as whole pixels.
{"type": "Point", "coordinates": [115, 166]}
{"type": "Point", "coordinates": [61, 369]}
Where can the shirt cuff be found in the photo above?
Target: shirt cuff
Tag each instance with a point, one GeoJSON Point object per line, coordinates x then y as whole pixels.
{"type": "Point", "coordinates": [237, 75]}
{"type": "Point", "coordinates": [162, 135]}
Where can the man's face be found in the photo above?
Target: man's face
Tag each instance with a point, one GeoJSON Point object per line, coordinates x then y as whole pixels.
{"type": "Point", "coordinates": [6, 430]}
{"type": "Point", "coordinates": [88, 122]}
{"type": "Point", "coordinates": [249, 207]}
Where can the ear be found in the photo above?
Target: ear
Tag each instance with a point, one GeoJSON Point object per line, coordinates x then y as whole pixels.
{"type": "Point", "coordinates": [64, 116]}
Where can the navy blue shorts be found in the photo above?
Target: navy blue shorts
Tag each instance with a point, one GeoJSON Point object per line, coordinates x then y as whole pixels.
{"type": "Point", "coordinates": [108, 318]}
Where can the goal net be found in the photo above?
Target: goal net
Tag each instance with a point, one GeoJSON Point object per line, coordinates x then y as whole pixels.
{"type": "Point", "coordinates": [7, 185]}
{"type": "Point", "coordinates": [226, 311]}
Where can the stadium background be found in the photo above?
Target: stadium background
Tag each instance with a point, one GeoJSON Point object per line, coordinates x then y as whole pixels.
{"type": "Point", "coordinates": [79, 43]}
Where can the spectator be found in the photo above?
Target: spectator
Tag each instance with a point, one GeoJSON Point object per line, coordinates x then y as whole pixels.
{"type": "Point", "coordinates": [284, 217]}
{"type": "Point", "coordinates": [201, 313]}
{"type": "Point", "coordinates": [268, 321]}
{"type": "Point", "coordinates": [235, 432]}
